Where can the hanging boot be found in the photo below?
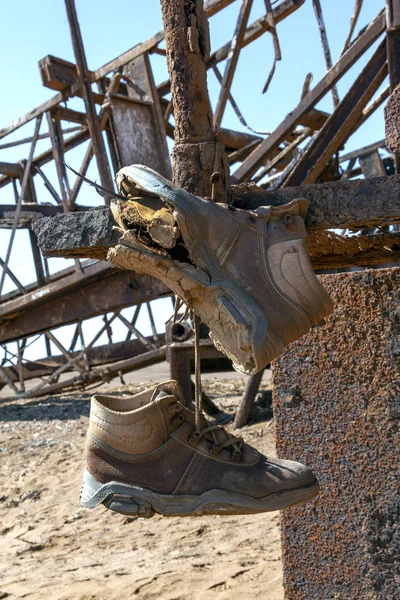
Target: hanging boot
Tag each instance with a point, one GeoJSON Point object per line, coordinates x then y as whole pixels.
{"type": "Point", "coordinates": [247, 274]}
{"type": "Point", "coordinates": [145, 456]}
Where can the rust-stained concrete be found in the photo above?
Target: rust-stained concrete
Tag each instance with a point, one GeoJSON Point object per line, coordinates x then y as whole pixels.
{"type": "Point", "coordinates": [337, 408]}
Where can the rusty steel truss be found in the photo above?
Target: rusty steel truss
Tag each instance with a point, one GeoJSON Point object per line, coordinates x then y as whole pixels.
{"type": "Point", "coordinates": [127, 119]}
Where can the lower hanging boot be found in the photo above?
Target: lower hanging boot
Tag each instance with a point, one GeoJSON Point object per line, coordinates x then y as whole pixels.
{"type": "Point", "coordinates": [247, 274]}
{"type": "Point", "coordinates": [144, 456]}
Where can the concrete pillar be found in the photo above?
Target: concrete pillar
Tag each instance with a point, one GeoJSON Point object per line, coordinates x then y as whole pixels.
{"type": "Point", "coordinates": [337, 408]}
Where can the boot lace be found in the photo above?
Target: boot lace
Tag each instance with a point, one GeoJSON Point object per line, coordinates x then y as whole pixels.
{"type": "Point", "coordinates": [235, 442]}
{"type": "Point", "coordinates": [231, 440]}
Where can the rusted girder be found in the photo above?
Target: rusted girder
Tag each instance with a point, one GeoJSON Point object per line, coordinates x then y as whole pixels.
{"type": "Point", "coordinates": [99, 355]}
{"type": "Point", "coordinates": [81, 295]}
{"type": "Point", "coordinates": [259, 155]}
{"type": "Point", "coordinates": [342, 121]}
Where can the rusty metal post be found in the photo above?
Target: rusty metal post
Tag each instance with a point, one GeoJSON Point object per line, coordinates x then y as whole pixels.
{"type": "Point", "coordinates": [247, 400]}
{"type": "Point", "coordinates": [393, 51]}
{"type": "Point", "coordinates": [92, 119]}
{"type": "Point", "coordinates": [196, 154]}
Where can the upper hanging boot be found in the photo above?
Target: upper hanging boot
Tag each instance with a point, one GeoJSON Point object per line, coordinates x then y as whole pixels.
{"type": "Point", "coordinates": [247, 274]}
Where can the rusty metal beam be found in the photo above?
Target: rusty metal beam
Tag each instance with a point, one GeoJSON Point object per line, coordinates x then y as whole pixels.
{"type": "Point", "coordinates": [325, 46]}
{"type": "Point", "coordinates": [341, 123]}
{"type": "Point", "coordinates": [99, 289]}
{"type": "Point", "coordinates": [231, 63]}
{"type": "Point", "coordinates": [96, 356]}
{"type": "Point", "coordinates": [259, 155]}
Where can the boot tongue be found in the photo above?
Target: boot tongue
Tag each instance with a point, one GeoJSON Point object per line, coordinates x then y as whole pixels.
{"type": "Point", "coordinates": [171, 388]}
{"type": "Point", "coordinates": [168, 388]}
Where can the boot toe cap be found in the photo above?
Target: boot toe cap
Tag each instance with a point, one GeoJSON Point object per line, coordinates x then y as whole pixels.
{"type": "Point", "coordinates": [289, 474]}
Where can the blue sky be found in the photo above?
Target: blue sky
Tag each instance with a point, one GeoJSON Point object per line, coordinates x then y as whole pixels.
{"type": "Point", "coordinates": [31, 30]}
{"type": "Point", "coordinates": [35, 29]}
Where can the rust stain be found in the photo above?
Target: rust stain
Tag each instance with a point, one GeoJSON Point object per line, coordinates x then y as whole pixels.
{"type": "Point", "coordinates": [346, 543]}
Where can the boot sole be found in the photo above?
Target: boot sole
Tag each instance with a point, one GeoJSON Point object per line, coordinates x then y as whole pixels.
{"type": "Point", "coordinates": [140, 502]}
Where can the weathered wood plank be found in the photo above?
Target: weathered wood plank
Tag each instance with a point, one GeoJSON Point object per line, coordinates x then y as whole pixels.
{"type": "Point", "coordinates": [329, 250]}
{"type": "Point", "coordinates": [341, 204]}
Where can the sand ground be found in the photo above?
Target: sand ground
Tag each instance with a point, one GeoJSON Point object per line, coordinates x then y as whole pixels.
{"type": "Point", "coordinates": [50, 547]}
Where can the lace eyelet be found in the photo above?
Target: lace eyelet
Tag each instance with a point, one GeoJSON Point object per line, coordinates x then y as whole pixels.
{"type": "Point", "coordinates": [177, 420]}
{"type": "Point", "coordinates": [194, 438]}
{"type": "Point", "coordinates": [174, 408]}
{"type": "Point", "coordinates": [290, 222]}
{"type": "Point", "coordinates": [215, 449]}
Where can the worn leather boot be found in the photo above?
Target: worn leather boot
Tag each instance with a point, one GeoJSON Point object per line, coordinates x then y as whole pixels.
{"type": "Point", "coordinates": [144, 456]}
{"type": "Point", "coordinates": [247, 274]}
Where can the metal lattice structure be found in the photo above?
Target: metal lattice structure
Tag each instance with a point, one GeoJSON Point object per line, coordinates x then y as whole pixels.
{"type": "Point", "coordinates": [127, 119]}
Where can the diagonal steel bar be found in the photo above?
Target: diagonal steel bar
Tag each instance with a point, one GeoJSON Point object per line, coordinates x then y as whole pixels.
{"type": "Point", "coordinates": [153, 325]}
{"type": "Point", "coordinates": [289, 148]}
{"type": "Point", "coordinates": [133, 322]}
{"type": "Point", "coordinates": [61, 348]}
{"type": "Point", "coordinates": [65, 366]}
{"type": "Point", "coordinates": [13, 278]}
{"type": "Point", "coordinates": [136, 331]}
{"type": "Point", "coordinates": [353, 23]}
{"type": "Point", "coordinates": [325, 46]}
{"type": "Point", "coordinates": [85, 83]}
{"type": "Point", "coordinates": [340, 124]}
{"type": "Point", "coordinates": [25, 181]}
{"type": "Point", "coordinates": [231, 62]}
{"type": "Point", "coordinates": [258, 156]}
